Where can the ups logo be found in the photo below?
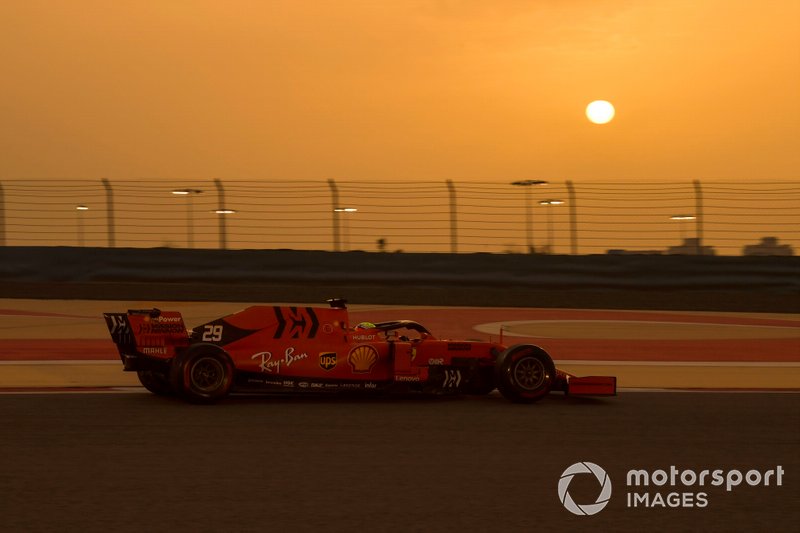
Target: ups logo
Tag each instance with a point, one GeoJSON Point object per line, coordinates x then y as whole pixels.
{"type": "Point", "coordinates": [327, 360]}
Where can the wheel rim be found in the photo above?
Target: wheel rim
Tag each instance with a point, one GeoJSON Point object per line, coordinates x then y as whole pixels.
{"type": "Point", "coordinates": [207, 374]}
{"type": "Point", "coordinates": [529, 373]}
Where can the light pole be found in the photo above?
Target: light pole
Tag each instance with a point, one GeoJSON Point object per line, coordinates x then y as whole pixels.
{"type": "Point", "coordinates": [112, 239]}
{"type": "Point", "coordinates": [681, 220]}
{"type": "Point", "coordinates": [189, 193]}
{"type": "Point", "coordinates": [346, 225]}
{"type": "Point", "coordinates": [223, 232]}
{"type": "Point", "coordinates": [528, 209]}
{"type": "Point", "coordinates": [79, 209]}
{"type": "Point", "coordinates": [222, 211]}
{"type": "Point", "coordinates": [549, 204]}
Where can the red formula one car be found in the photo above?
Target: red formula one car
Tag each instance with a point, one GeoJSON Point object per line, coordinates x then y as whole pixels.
{"type": "Point", "coordinates": [308, 349]}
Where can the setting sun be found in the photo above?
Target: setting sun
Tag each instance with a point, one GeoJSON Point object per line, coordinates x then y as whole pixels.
{"type": "Point", "coordinates": [299, 89]}
{"type": "Point", "coordinates": [600, 112]}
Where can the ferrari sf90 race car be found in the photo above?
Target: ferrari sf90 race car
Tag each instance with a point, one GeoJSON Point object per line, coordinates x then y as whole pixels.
{"type": "Point", "coordinates": [315, 350]}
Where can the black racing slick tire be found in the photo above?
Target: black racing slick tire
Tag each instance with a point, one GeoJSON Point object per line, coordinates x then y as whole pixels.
{"type": "Point", "coordinates": [203, 375]}
{"type": "Point", "coordinates": [156, 382]}
{"type": "Point", "coordinates": [524, 373]}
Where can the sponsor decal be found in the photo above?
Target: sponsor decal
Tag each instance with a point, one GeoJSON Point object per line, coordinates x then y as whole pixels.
{"type": "Point", "coordinates": [269, 365]}
{"type": "Point", "coordinates": [303, 384]}
{"type": "Point", "coordinates": [672, 488]}
{"type": "Point", "coordinates": [406, 378]}
{"type": "Point", "coordinates": [117, 324]}
{"type": "Point", "coordinates": [370, 385]}
{"type": "Point", "coordinates": [362, 359]}
{"type": "Point", "coordinates": [296, 322]}
{"type": "Point", "coordinates": [362, 338]}
{"type": "Point", "coordinates": [287, 383]}
{"type": "Point", "coordinates": [163, 319]}
{"type": "Point", "coordinates": [155, 351]}
{"type": "Point", "coordinates": [327, 329]}
{"type": "Point", "coordinates": [327, 360]}
{"type": "Point", "coordinates": [437, 361]}
{"type": "Point", "coordinates": [452, 379]}
{"type": "Point", "coordinates": [150, 328]}
{"type": "Point", "coordinates": [459, 346]}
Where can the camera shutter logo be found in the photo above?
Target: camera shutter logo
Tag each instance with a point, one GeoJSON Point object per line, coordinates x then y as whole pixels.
{"type": "Point", "coordinates": [586, 509]}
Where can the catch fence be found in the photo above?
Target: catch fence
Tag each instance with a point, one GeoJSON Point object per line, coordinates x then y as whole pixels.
{"type": "Point", "coordinates": [503, 216]}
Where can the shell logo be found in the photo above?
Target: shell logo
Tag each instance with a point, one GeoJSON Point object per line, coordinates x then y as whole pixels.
{"type": "Point", "coordinates": [362, 359]}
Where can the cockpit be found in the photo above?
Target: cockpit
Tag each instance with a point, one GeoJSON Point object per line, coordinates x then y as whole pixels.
{"type": "Point", "coordinates": [398, 330]}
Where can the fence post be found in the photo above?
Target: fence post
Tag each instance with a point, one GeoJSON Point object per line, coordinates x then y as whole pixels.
{"type": "Point", "coordinates": [335, 214]}
{"type": "Point", "coordinates": [698, 196]}
{"type": "Point", "coordinates": [453, 218]}
{"type": "Point", "coordinates": [221, 212]}
{"type": "Point", "coordinates": [573, 218]}
{"type": "Point", "coordinates": [112, 241]}
{"type": "Point", "coordinates": [2, 217]}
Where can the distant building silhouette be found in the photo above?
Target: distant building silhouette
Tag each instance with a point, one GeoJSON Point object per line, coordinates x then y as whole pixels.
{"type": "Point", "coordinates": [691, 246]}
{"type": "Point", "coordinates": [621, 251]}
{"type": "Point", "coordinates": [768, 246]}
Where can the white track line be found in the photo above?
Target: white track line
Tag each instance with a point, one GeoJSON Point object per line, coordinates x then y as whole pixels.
{"type": "Point", "coordinates": [709, 391]}
{"type": "Point", "coordinates": [76, 390]}
{"type": "Point", "coordinates": [636, 322]}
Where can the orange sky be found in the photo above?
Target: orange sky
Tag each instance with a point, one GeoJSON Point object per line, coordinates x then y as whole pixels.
{"type": "Point", "coordinates": [295, 89]}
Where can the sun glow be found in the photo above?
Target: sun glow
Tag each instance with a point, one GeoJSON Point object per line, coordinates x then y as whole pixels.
{"type": "Point", "coordinates": [600, 112]}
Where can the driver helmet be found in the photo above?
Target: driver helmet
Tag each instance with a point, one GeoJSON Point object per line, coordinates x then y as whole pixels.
{"type": "Point", "coordinates": [365, 325]}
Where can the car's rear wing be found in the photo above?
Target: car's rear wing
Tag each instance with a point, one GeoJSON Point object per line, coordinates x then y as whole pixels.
{"type": "Point", "coordinates": [146, 333]}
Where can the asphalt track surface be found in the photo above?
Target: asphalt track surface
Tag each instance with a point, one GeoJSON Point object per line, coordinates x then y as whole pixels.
{"type": "Point", "coordinates": [124, 460]}
{"type": "Point", "coordinates": [137, 462]}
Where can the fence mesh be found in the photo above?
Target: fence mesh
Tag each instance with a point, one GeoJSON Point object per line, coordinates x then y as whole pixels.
{"type": "Point", "coordinates": [412, 216]}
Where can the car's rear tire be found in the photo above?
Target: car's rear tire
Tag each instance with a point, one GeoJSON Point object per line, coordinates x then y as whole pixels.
{"type": "Point", "coordinates": [524, 373]}
{"type": "Point", "coordinates": [203, 375]}
{"type": "Point", "coordinates": [156, 382]}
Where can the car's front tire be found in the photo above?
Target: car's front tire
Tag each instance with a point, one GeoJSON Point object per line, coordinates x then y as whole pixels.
{"type": "Point", "coordinates": [524, 373]}
{"type": "Point", "coordinates": [203, 375]}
